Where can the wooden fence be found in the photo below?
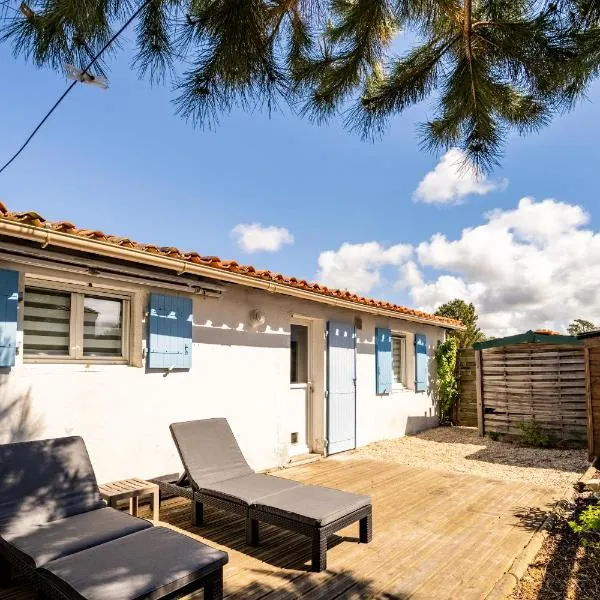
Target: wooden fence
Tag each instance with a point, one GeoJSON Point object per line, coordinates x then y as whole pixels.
{"type": "Point", "coordinates": [465, 410]}
{"type": "Point", "coordinates": [592, 363]}
{"type": "Point", "coordinates": [533, 382]}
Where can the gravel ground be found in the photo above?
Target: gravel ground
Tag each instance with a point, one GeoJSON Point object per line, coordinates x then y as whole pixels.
{"type": "Point", "coordinates": [461, 450]}
{"type": "Point", "coordinates": [564, 569]}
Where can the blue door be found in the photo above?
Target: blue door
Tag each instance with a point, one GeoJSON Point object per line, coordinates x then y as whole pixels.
{"type": "Point", "coordinates": [341, 387]}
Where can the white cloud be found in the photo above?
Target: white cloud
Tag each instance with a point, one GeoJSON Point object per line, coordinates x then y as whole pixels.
{"type": "Point", "coordinates": [255, 238]}
{"type": "Point", "coordinates": [536, 265]}
{"type": "Point", "coordinates": [410, 276]}
{"type": "Point", "coordinates": [357, 267]}
{"type": "Point", "coordinates": [452, 180]}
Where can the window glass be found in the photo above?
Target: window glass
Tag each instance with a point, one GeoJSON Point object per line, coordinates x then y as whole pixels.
{"type": "Point", "coordinates": [72, 325]}
{"type": "Point", "coordinates": [46, 323]}
{"type": "Point", "coordinates": [102, 326]}
{"type": "Point", "coordinates": [298, 354]}
{"type": "Point", "coordinates": [398, 354]}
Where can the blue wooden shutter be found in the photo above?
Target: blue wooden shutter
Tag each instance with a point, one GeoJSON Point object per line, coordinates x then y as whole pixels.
{"type": "Point", "coordinates": [421, 362]}
{"type": "Point", "coordinates": [9, 300]}
{"type": "Point", "coordinates": [170, 335]}
{"type": "Point", "coordinates": [383, 360]}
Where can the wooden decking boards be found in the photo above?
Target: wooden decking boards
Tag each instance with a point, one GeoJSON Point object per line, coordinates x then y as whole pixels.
{"type": "Point", "coordinates": [436, 535]}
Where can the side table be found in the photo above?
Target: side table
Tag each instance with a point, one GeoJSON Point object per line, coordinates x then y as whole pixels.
{"type": "Point", "coordinates": [132, 490]}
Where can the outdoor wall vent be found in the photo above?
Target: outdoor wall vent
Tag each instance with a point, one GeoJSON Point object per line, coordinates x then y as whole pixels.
{"type": "Point", "coordinates": [294, 437]}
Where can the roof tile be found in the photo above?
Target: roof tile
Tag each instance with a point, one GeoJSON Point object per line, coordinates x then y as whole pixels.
{"type": "Point", "coordinates": [33, 219]}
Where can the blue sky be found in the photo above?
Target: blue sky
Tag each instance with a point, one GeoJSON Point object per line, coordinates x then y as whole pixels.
{"type": "Point", "coordinates": [123, 162]}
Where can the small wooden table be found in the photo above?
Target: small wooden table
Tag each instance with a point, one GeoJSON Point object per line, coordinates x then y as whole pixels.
{"type": "Point", "coordinates": [132, 490]}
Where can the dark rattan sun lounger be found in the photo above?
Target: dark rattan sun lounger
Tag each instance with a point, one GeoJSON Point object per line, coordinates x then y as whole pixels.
{"type": "Point", "coordinates": [51, 512]}
{"type": "Point", "coordinates": [217, 474]}
{"type": "Point", "coordinates": [51, 506]}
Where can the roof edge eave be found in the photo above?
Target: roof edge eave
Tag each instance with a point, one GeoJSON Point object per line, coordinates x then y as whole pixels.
{"type": "Point", "coordinates": [47, 236]}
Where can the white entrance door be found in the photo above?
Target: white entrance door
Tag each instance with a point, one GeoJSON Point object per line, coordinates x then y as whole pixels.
{"type": "Point", "coordinates": [341, 387]}
{"type": "Point", "coordinates": [300, 388]}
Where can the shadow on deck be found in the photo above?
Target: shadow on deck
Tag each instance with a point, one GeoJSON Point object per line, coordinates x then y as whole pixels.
{"type": "Point", "coordinates": [436, 535]}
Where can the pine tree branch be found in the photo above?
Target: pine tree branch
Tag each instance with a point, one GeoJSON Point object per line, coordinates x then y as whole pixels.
{"type": "Point", "coordinates": [467, 24]}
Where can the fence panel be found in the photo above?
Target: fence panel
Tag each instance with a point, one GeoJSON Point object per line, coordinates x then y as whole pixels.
{"type": "Point", "coordinates": [465, 410]}
{"type": "Point", "coordinates": [535, 382]}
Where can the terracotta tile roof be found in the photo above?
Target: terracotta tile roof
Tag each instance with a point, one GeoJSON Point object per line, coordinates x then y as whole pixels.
{"type": "Point", "coordinates": [547, 332]}
{"type": "Point", "coordinates": [34, 219]}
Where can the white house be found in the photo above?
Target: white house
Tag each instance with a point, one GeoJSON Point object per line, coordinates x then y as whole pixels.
{"type": "Point", "coordinates": [113, 340]}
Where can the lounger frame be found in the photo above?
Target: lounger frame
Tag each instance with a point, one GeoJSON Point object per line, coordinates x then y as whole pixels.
{"type": "Point", "coordinates": [318, 535]}
{"type": "Point", "coordinates": [254, 516]}
{"type": "Point", "coordinates": [199, 499]}
{"type": "Point", "coordinates": [12, 564]}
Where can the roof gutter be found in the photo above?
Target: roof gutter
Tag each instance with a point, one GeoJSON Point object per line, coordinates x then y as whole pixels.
{"type": "Point", "coordinates": [46, 237]}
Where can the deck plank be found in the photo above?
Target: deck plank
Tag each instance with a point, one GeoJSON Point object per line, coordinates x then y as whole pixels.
{"type": "Point", "coordinates": [436, 535]}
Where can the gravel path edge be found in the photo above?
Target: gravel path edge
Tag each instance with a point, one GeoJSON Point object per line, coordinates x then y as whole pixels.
{"type": "Point", "coordinates": [508, 582]}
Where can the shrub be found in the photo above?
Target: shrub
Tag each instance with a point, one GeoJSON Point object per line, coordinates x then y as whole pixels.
{"type": "Point", "coordinates": [533, 434]}
{"type": "Point", "coordinates": [495, 436]}
{"type": "Point", "coordinates": [445, 356]}
{"type": "Point", "coordinates": [588, 525]}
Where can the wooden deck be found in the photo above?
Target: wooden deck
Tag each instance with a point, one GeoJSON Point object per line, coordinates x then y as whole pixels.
{"type": "Point", "coordinates": [436, 536]}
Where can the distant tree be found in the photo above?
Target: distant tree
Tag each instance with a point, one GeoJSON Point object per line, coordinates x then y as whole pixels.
{"type": "Point", "coordinates": [459, 309]}
{"type": "Point", "coordinates": [580, 326]}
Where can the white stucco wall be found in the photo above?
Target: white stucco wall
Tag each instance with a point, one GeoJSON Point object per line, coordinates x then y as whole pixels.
{"type": "Point", "coordinates": [123, 412]}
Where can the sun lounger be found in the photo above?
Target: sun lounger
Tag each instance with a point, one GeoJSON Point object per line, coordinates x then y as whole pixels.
{"type": "Point", "coordinates": [216, 473]}
{"type": "Point", "coordinates": [51, 511]}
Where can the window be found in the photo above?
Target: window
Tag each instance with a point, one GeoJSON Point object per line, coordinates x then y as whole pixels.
{"type": "Point", "coordinates": [298, 354]}
{"type": "Point", "coordinates": [74, 325]}
{"type": "Point", "coordinates": [102, 326]}
{"type": "Point", "coordinates": [398, 361]}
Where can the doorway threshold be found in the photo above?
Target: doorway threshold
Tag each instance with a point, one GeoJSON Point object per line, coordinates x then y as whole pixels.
{"type": "Point", "coordinates": [302, 459]}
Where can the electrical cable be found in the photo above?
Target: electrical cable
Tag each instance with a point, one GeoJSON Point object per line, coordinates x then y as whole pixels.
{"type": "Point", "coordinates": [84, 71]}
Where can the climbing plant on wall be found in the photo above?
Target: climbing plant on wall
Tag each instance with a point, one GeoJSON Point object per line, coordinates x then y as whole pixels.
{"type": "Point", "coordinates": [446, 356]}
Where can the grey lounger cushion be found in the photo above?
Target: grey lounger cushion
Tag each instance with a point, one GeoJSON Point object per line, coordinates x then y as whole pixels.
{"type": "Point", "coordinates": [148, 564]}
{"type": "Point", "coordinates": [311, 504]}
{"type": "Point", "coordinates": [248, 489]}
{"type": "Point", "coordinates": [209, 451]}
{"type": "Point", "coordinates": [56, 539]}
{"type": "Point", "coordinates": [45, 480]}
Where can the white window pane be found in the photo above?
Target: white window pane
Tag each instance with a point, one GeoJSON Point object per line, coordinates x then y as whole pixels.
{"type": "Point", "coordinates": [46, 323]}
{"type": "Point", "coordinates": [397, 355]}
{"type": "Point", "coordinates": [102, 326]}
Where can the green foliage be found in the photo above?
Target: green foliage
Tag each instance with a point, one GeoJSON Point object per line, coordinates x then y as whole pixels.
{"type": "Point", "coordinates": [533, 434]}
{"type": "Point", "coordinates": [495, 436]}
{"type": "Point", "coordinates": [459, 309]}
{"type": "Point", "coordinates": [487, 64]}
{"type": "Point", "coordinates": [588, 525]}
{"type": "Point", "coordinates": [490, 66]}
{"type": "Point", "coordinates": [445, 356]}
{"type": "Point", "coordinates": [580, 326]}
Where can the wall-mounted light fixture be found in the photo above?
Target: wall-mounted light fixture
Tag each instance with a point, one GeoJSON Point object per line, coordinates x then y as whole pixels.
{"type": "Point", "coordinates": [256, 318]}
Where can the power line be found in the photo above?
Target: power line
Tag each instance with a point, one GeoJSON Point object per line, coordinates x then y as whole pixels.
{"type": "Point", "coordinates": [84, 71]}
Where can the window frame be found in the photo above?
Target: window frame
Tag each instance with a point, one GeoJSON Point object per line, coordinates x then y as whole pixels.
{"type": "Point", "coordinates": [76, 323]}
{"type": "Point", "coordinates": [402, 385]}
